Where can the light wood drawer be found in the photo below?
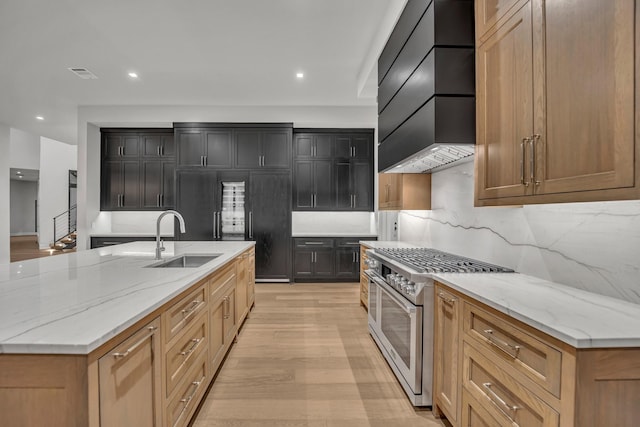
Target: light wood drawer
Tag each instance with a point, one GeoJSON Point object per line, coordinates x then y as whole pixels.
{"type": "Point", "coordinates": [181, 407]}
{"type": "Point", "coordinates": [222, 278]}
{"type": "Point", "coordinates": [475, 415]}
{"type": "Point", "coordinates": [187, 348]}
{"type": "Point", "coordinates": [176, 318]}
{"type": "Point", "coordinates": [502, 395]}
{"type": "Point", "coordinates": [528, 355]}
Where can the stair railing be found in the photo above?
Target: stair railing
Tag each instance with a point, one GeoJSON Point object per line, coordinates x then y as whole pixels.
{"type": "Point", "coordinates": [65, 223]}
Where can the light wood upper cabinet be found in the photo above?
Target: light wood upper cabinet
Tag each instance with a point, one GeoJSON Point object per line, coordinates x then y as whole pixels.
{"type": "Point", "coordinates": [492, 12]}
{"type": "Point", "coordinates": [409, 191]}
{"type": "Point", "coordinates": [130, 381]}
{"type": "Point", "coordinates": [556, 92]}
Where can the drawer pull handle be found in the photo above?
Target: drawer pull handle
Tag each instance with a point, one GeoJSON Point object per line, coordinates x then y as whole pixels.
{"type": "Point", "coordinates": [194, 345]}
{"type": "Point", "coordinates": [152, 330]}
{"type": "Point", "coordinates": [446, 299]}
{"type": "Point", "coordinates": [189, 398]}
{"type": "Point", "coordinates": [314, 243]}
{"type": "Point", "coordinates": [191, 308]}
{"type": "Point", "coordinates": [227, 305]}
{"type": "Point", "coordinates": [510, 349]}
{"type": "Point", "coordinates": [500, 402]}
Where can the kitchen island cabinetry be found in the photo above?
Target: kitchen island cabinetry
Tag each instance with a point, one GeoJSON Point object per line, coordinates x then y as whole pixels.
{"type": "Point", "coordinates": [493, 369]}
{"type": "Point", "coordinates": [130, 380]}
{"type": "Point", "coordinates": [551, 126]}
{"type": "Point", "coordinates": [144, 356]}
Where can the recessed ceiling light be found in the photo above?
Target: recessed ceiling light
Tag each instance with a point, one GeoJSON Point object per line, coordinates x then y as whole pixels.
{"type": "Point", "coordinates": [299, 75]}
{"type": "Point", "coordinates": [133, 75]}
{"type": "Point", "coordinates": [39, 117]}
{"type": "Point", "coordinates": [18, 173]}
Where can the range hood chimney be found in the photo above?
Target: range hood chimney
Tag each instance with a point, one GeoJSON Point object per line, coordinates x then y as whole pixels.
{"type": "Point", "coordinates": [426, 88]}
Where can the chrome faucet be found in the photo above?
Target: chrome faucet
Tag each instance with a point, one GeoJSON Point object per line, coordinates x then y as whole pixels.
{"type": "Point", "coordinates": [159, 244]}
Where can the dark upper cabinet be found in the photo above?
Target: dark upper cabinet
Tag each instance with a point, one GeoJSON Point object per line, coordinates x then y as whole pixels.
{"type": "Point", "coordinates": [210, 148]}
{"type": "Point", "coordinates": [313, 185]}
{"type": "Point", "coordinates": [158, 184]}
{"type": "Point", "coordinates": [263, 148]}
{"type": "Point", "coordinates": [161, 145]}
{"type": "Point", "coordinates": [333, 169]}
{"type": "Point", "coordinates": [137, 169]}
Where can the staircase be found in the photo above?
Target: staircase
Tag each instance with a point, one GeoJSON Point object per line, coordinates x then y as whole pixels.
{"type": "Point", "coordinates": [64, 230]}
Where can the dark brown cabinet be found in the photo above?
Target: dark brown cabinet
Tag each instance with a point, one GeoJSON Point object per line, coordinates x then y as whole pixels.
{"type": "Point", "coordinates": [333, 170]}
{"type": "Point", "coordinates": [347, 259]}
{"type": "Point", "coordinates": [204, 147]}
{"type": "Point", "coordinates": [137, 169]}
{"type": "Point", "coordinates": [263, 148]}
{"type": "Point", "coordinates": [332, 259]}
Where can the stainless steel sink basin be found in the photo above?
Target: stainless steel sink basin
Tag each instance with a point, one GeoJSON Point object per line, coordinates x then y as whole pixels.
{"type": "Point", "coordinates": [185, 261]}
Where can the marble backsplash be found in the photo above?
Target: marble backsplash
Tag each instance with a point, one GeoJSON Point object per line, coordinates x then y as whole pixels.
{"type": "Point", "coordinates": [591, 246]}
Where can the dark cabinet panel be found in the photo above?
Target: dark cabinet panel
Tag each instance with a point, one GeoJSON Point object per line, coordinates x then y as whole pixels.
{"type": "Point", "coordinates": [130, 185]}
{"type": "Point", "coordinates": [120, 185]}
{"type": "Point", "coordinates": [347, 263]}
{"type": "Point", "coordinates": [327, 259]}
{"type": "Point", "coordinates": [344, 196]}
{"type": "Point", "coordinates": [323, 263]}
{"type": "Point", "coordinates": [313, 185]}
{"type": "Point", "coordinates": [313, 146]}
{"type": "Point", "coordinates": [120, 146]}
{"type": "Point", "coordinates": [248, 149]}
{"type": "Point", "coordinates": [276, 148]}
{"type": "Point", "coordinates": [157, 184]}
{"type": "Point", "coordinates": [157, 145]}
{"type": "Point", "coordinates": [353, 146]}
{"type": "Point", "coordinates": [167, 197]}
{"type": "Point", "coordinates": [195, 200]}
{"type": "Point", "coordinates": [362, 185]}
{"type": "Point", "coordinates": [323, 188]}
{"type": "Point", "coordinates": [219, 149]}
{"type": "Point", "coordinates": [270, 223]}
{"type": "Point", "coordinates": [263, 148]}
{"type": "Point", "coordinates": [191, 147]}
{"type": "Point", "coordinates": [303, 263]}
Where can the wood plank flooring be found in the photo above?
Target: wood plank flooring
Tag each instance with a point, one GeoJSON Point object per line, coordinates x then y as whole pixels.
{"type": "Point", "coordinates": [26, 247]}
{"type": "Point", "coordinates": [305, 358]}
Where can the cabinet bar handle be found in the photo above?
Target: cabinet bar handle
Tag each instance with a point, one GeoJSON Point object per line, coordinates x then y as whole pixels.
{"type": "Point", "coordinates": [532, 141]}
{"type": "Point", "coordinates": [523, 144]}
{"type": "Point", "coordinates": [194, 344]}
{"type": "Point", "coordinates": [500, 402]}
{"type": "Point", "coordinates": [162, 150]}
{"type": "Point", "coordinates": [314, 243]}
{"type": "Point", "coordinates": [510, 349]}
{"type": "Point", "coordinates": [161, 199]}
{"type": "Point", "coordinates": [206, 160]}
{"type": "Point", "coordinates": [251, 224]}
{"type": "Point", "coordinates": [446, 299]}
{"type": "Point", "coordinates": [190, 309]}
{"type": "Point", "coordinates": [158, 150]}
{"type": "Point", "coordinates": [188, 399]}
{"type": "Point", "coordinates": [157, 200]}
{"type": "Point", "coordinates": [215, 218]}
{"type": "Point", "coordinates": [152, 330]}
{"type": "Point", "coordinates": [226, 313]}
{"type": "Point", "coordinates": [355, 200]}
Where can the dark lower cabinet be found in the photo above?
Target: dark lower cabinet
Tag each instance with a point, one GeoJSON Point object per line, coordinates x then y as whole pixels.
{"type": "Point", "coordinates": [270, 223]}
{"type": "Point", "coordinates": [327, 259]}
{"type": "Point", "coordinates": [103, 241]}
{"type": "Point", "coordinates": [195, 199]}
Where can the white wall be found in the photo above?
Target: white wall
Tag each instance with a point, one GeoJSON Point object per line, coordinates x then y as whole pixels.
{"type": "Point", "coordinates": [90, 119]}
{"type": "Point", "coordinates": [57, 158]}
{"type": "Point", "coordinates": [591, 246]}
{"type": "Point", "coordinates": [24, 195]}
{"type": "Point", "coordinates": [25, 150]}
{"type": "Point", "coordinates": [5, 211]}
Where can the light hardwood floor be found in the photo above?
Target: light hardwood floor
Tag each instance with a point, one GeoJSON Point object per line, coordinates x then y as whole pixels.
{"type": "Point", "coordinates": [26, 247]}
{"type": "Point", "coordinates": [305, 358]}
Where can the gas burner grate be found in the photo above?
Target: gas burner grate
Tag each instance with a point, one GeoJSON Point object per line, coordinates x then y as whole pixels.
{"type": "Point", "coordinates": [427, 260]}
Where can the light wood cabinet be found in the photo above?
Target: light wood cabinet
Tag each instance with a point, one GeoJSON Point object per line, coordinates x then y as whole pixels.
{"type": "Point", "coordinates": [251, 273]}
{"type": "Point", "coordinates": [364, 279]}
{"type": "Point", "coordinates": [556, 95]}
{"type": "Point", "coordinates": [245, 285]}
{"type": "Point", "coordinates": [130, 380]}
{"type": "Point", "coordinates": [408, 191]}
{"type": "Point", "coordinates": [493, 370]}
{"type": "Point", "coordinates": [446, 356]}
{"type": "Point", "coordinates": [222, 289]}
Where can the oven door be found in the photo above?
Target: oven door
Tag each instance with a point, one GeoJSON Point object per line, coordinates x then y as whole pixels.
{"type": "Point", "coordinates": [398, 327]}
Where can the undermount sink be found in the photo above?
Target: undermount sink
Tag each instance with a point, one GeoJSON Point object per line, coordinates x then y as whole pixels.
{"type": "Point", "coordinates": [185, 261]}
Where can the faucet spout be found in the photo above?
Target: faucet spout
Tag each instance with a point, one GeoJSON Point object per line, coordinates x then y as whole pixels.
{"type": "Point", "coordinates": [159, 247]}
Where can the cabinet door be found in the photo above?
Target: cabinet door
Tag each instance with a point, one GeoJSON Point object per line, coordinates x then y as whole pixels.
{"type": "Point", "coordinates": [111, 185]}
{"type": "Point", "coordinates": [195, 201]}
{"type": "Point", "coordinates": [323, 265]}
{"type": "Point", "coordinates": [361, 147]}
{"type": "Point", "coordinates": [446, 353]}
{"type": "Point", "coordinates": [190, 144]}
{"type": "Point", "coordinates": [157, 145]}
{"type": "Point", "coordinates": [389, 190]}
{"type": "Point", "coordinates": [152, 181]}
{"type": "Point", "coordinates": [489, 12]}
{"type": "Point", "coordinates": [504, 96]}
{"type": "Point", "coordinates": [168, 145]}
{"type": "Point", "coordinates": [342, 185]}
{"type": "Point", "coordinates": [248, 149]}
{"type": "Point", "coordinates": [303, 263]}
{"type": "Point", "coordinates": [304, 184]}
{"type": "Point", "coordinates": [323, 146]}
{"type": "Point", "coordinates": [219, 149]}
{"type": "Point", "coordinates": [362, 185]}
{"type": "Point", "coordinates": [130, 198]}
{"type": "Point", "coordinates": [346, 263]}
{"type": "Point", "coordinates": [229, 319]}
{"type": "Point", "coordinates": [276, 148]}
{"type": "Point", "coordinates": [343, 147]}
{"type": "Point", "coordinates": [242, 288]}
{"type": "Point", "coordinates": [323, 184]}
{"type": "Point", "coordinates": [303, 146]}
{"type": "Point", "coordinates": [167, 199]}
{"type": "Point", "coordinates": [111, 145]}
{"type": "Point", "coordinates": [589, 83]}
{"type": "Point", "coordinates": [271, 223]}
{"type": "Point", "coordinates": [130, 381]}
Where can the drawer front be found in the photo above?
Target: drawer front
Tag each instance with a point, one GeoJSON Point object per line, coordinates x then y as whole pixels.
{"type": "Point", "coordinates": [223, 278]}
{"type": "Point", "coordinates": [474, 414]}
{"type": "Point", "coordinates": [313, 242]}
{"type": "Point", "coordinates": [503, 396]}
{"type": "Point", "coordinates": [528, 355]}
{"type": "Point", "coordinates": [183, 312]}
{"type": "Point", "coordinates": [181, 407]}
{"type": "Point", "coordinates": [350, 242]}
{"type": "Point", "coordinates": [187, 348]}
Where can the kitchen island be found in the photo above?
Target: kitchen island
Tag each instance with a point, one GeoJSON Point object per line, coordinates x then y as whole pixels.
{"type": "Point", "coordinates": [100, 338]}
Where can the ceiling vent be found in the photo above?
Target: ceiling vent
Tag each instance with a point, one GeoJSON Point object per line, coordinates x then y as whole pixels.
{"type": "Point", "coordinates": [83, 73]}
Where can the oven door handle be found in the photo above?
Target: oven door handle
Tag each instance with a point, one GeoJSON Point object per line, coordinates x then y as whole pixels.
{"type": "Point", "coordinates": [410, 310]}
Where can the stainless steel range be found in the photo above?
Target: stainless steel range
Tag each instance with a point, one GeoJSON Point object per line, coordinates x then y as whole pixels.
{"type": "Point", "coordinates": [401, 309]}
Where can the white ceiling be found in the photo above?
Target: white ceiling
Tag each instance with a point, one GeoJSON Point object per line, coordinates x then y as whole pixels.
{"type": "Point", "coordinates": [186, 52]}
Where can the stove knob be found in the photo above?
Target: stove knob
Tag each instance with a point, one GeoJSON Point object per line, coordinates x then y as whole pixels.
{"type": "Point", "coordinates": [372, 263]}
{"type": "Point", "coordinates": [410, 288]}
{"type": "Point", "coordinates": [403, 284]}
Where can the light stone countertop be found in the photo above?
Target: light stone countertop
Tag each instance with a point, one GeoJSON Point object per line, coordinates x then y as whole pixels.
{"type": "Point", "coordinates": [579, 318]}
{"type": "Point", "coordinates": [73, 303]}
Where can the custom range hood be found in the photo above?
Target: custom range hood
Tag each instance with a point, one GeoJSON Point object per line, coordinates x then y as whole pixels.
{"type": "Point", "coordinates": [426, 88]}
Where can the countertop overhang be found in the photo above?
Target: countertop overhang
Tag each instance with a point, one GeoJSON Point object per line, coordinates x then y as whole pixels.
{"type": "Point", "coordinates": [73, 303]}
